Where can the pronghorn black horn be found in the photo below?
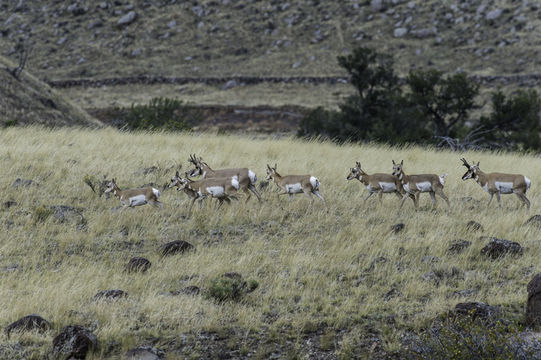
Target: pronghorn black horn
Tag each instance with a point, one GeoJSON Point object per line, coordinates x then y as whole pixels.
{"type": "Point", "coordinates": [465, 163]}
{"type": "Point", "coordinates": [177, 174]}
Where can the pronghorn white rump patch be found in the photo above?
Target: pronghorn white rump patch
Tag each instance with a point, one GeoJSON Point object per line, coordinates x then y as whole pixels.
{"type": "Point", "coordinates": [156, 192]}
{"type": "Point", "coordinates": [528, 182]}
{"type": "Point", "coordinates": [315, 182]}
{"type": "Point", "coordinates": [442, 179]}
{"type": "Point", "coordinates": [293, 188]}
{"type": "Point", "coordinates": [387, 187]}
{"type": "Point", "coordinates": [504, 187]}
{"type": "Point", "coordinates": [424, 186]}
{"type": "Point", "coordinates": [252, 176]}
{"type": "Point", "coordinates": [138, 200]}
{"type": "Point", "coordinates": [216, 191]}
{"type": "Point", "coordinates": [235, 182]}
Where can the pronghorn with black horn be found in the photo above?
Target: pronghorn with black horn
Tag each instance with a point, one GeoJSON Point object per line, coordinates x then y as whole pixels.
{"type": "Point", "coordinates": [246, 177]}
{"type": "Point", "coordinates": [499, 183]}
{"type": "Point", "coordinates": [135, 197]}
{"type": "Point", "coordinates": [295, 184]}
{"type": "Point", "coordinates": [417, 184]}
{"type": "Point", "coordinates": [377, 183]}
{"type": "Point", "coordinates": [222, 189]}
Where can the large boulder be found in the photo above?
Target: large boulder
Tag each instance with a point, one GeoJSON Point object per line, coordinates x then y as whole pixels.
{"type": "Point", "coordinates": [175, 247]}
{"type": "Point", "coordinates": [138, 264]}
{"type": "Point", "coordinates": [477, 310]}
{"type": "Point", "coordinates": [74, 342]}
{"type": "Point", "coordinates": [497, 248]}
{"type": "Point", "coordinates": [28, 323]}
{"type": "Point", "coordinates": [533, 307]}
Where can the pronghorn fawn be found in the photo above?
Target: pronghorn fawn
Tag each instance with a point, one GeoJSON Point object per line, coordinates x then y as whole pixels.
{"type": "Point", "coordinates": [295, 184]}
{"type": "Point", "coordinates": [222, 189]}
{"type": "Point", "coordinates": [417, 184]}
{"type": "Point", "coordinates": [376, 183]}
{"type": "Point", "coordinates": [135, 197]}
{"type": "Point", "coordinates": [499, 183]}
{"type": "Point", "coordinates": [246, 177]}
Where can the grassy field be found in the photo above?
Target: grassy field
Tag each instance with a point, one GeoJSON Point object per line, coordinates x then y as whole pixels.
{"type": "Point", "coordinates": [337, 283]}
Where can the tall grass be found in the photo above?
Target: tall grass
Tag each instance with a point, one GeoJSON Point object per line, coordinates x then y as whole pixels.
{"type": "Point", "coordinates": [317, 270]}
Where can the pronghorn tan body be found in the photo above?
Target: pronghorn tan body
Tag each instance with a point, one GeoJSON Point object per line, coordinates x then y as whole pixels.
{"type": "Point", "coordinates": [377, 183]}
{"type": "Point", "coordinates": [135, 197]}
{"type": "Point", "coordinates": [222, 189]}
{"type": "Point", "coordinates": [417, 184]}
{"type": "Point", "coordinates": [295, 184]}
{"type": "Point", "coordinates": [499, 183]}
{"type": "Point", "coordinates": [246, 177]}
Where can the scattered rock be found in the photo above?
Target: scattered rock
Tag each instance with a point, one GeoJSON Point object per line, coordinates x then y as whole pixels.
{"type": "Point", "coordinates": [144, 353]}
{"type": "Point", "coordinates": [474, 226]}
{"type": "Point", "coordinates": [65, 213]}
{"type": "Point", "coordinates": [296, 65]}
{"type": "Point", "coordinates": [397, 228]}
{"type": "Point", "coordinates": [189, 290]}
{"type": "Point", "coordinates": [76, 9]}
{"type": "Point", "coordinates": [476, 310]}
{"type": "Point", "coordinates": [138, 264]}
{"type": "Point", "coordinates": [430, 259]}
{"type": "Point", "coordinates": [230, 84]}
{"type": "Point", "coordinates": [114, 294]}
{"type": "Point", "coordinates": [378, 260]}
{"type": "Point", "coordinates": [458, 246]}
{"type": "Point", "coordinates": [533, 307]}
{"type": "Point", "coordinates": [400, 32]}
{"type": "Point", "coordinates": [430, 276]}
{"type": "Point", "coordinates": [127, 19]}
{"type": "Point", "coordinates": [10, 203]}
{"type": "Point", "coordinates": [28, 323]}
{"type": "Point", "coordinates": [391, 294]}
{"type": "Point", "coordinates": [534, 221]}
{"type": "Point", "coordinates": [22, 183]}
{"type": "Point", "coordinates": [494, 14]}
{"type": "Point", "coordinates": [377, 5]}
{"type": "Point", "coordinates": [497, 248]}
{"type": "Point", "coordinates": [175, 247]}
{"type": "Point", "coordinates": [74, 342]}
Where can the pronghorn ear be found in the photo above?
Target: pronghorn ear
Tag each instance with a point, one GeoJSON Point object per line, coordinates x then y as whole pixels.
{"type": "Point", "coordinates": [478, 164]}
{"type": "Point", "coordinates": [394, 163]}
{"type": "Point", "coordinates": [177, 174]}
{"type": "Point", "coordinates": [402, 162]}
{"type": "Point", "coordinates": [358, 164]}
{"type": "Point", "coordinates": [275, 166]}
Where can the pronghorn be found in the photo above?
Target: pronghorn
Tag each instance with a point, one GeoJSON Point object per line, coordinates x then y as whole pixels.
{"type": "Point", "coordinates": [295, 184]}
{"type": "Point", "coordinates": [135, 197]}
{"type": "Point", "coordinates": [246, 177]}
{"type": "Point", "coordinates": [499, 183]}
{"type": "Point", "coordinates": [377, 183]}
{"type": "Point", "coordinates": [219, 188]}
{"type": "Point", "coordinates": [416, 184]}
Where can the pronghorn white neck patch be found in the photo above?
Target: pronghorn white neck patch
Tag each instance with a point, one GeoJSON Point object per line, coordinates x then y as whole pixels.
{"type": "Point", "coordinates": [294, 188]}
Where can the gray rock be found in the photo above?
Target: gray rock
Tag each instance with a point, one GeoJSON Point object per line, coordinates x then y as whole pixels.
{"type": "Point", "coordinates": [400, 32]}
{"type": "Point", "coordinates": [62, 40]}
{"type": "Point", "coordinates": [296, 65]}
{"type": "Point", "coordinates": [144, 353]}
{"type": "Point", "coordinates": [74, 342]}
{"type": "Point", "coordinates": [477, 309]}
{"type": "Point", "coordinates": [22, 183]}
{"type": "Point", "coordinates": [189, 290]}
{"type": "Point", "coordinates": [136, 52]}
{"type": "Point", "coordinates": [176, 247]}
{"type": "Point", "coordinates": [127, 19]}
{"type": "Point", "coordinates": [230, 84]}
{"type": "Point", "coordinates": [171, 24]}
{"type": "Point", "coordinates": [138, 264]}
{"type": "Point", "coordinates": [458, 246]}
{"type": "Point", "coordinates": [494, 14]}
{"type": "Point", "coordinates": [28, 323]}
{"type": "Point", "coordinates": [497, 248]}
{"type": "Point", "coordinates": [104, 5]}
{"type": "Point", "coordinates": [411, 5]}
{"type": "Point", "coordinates": [533, 307]}
{"type": "Point", "coordinates": [430, 259]}
{"type": "Point", "coordinates": [474, 226]}
{"type": "Point", "coordinates": [77, 9]}
{"type": "Point", "coordinates": [113, 294]}
{"type": "Point", "coordinates": [66, 213]}
{"type": "Point", "coordinates": [534, 221]}
{"type": "Point", "coordinates": [377, 5]}
{"type": "Point", "coordinates": [396, 228]}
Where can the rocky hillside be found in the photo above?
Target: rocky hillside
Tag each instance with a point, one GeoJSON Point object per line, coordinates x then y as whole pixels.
{"type": "Point", "coordinates": [26, 100]}
{"type": "Point", "coordinates": [93, 39]}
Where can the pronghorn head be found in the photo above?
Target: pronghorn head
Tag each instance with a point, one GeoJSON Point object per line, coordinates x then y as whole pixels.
{"type": "Point", "coordinates": [397, 168]}
{"type": "Point", "coordinates": [472, 170]}
{"type": "Point", "coordinates": [175, 180]}
{"type": "Point", "coordinates": [198, 163]}
{"type": "Point", "coordinates": [271, 172]}
{"type": "Point", "coordinates": [356, 172]}
{"type": "Point", "coordinates": [112, 186]}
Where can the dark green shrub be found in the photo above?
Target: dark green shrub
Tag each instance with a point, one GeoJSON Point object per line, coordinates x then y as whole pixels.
{"type": "Point", "coordinates": [42, 213]}
{"type": "Point", "coordinates": [159, 113]}
{"type": "Point", "coordinates": [226, 288]}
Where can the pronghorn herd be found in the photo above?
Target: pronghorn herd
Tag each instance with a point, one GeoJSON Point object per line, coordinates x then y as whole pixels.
{"type": "Point", "coordinates": [224, 185]}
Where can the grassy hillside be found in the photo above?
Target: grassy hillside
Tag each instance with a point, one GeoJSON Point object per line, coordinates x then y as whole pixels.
{"type": "Point", "coordinates": [334, 283]}
{"type": "Point", "coordinates": [27, 100]}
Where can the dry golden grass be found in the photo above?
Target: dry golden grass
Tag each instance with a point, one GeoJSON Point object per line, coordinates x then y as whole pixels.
{"type": "Point", "coordinates": [313, 266]}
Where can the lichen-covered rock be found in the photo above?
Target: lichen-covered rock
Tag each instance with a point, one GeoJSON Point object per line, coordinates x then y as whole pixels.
{"type": "Point", "coordinates": [533, 307]}
{"type": "Point", "coordinates": [175, 247]}
{"type": "Point", "coordinates": [497, 248]}
{"type": "Point", "coordinates": [74, 342]}
{"type": "Point", "coordinates": [28, 323]}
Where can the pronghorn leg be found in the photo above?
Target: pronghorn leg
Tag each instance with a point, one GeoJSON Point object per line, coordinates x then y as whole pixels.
{"type": "Point", "coordinates": [489, 201]}
{"type": "Point", "coordinates": [416, 199]}
{"type": "Point", "coordinates": [252, 188]}
{"type": "Point", "coordinates": [191, 206]}
{"type": "Point", "coordinates": [319, 196]}
{"type": "Point", "coordinates": [308, 193]}
{"type": "Point", "coordinates": [380, 196]}
{"type": "Point", "coordinates": [406, 195]}
{"type": "Point", "coordinates": [524, 199]}
{"type": "Point", "coordinates": [499, 199]}
{"type": "Point", "coordinates": [369, 194]}
{"type": "Point", "coordinates": [443, 196]}
{"type": "Point", "coordinates": [397, 193]}
{"type": "Point", "coordinates": [433, 198]}
{"type": "Point", "coordinates": [248, 195]}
